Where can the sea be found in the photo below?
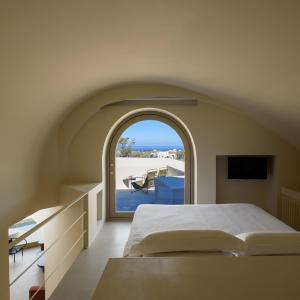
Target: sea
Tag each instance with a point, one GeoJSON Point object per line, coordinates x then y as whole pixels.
{"type": "Point", "coordinates": [158, 148]}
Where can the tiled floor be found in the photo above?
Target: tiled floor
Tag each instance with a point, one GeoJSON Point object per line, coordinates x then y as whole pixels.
{"type": "Point", "coordinates": [82, 278]}
{"type": "Point", "coordinates": [34, 276]}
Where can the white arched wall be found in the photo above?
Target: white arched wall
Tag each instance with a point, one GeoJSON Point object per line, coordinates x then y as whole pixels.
{"type": "Point", "coordinates": [74, 147]}
{"type": "Point", "coordinates": [216, 130]}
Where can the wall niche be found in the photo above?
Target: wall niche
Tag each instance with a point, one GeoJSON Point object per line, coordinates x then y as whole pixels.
{"type": "Point", "coordinates": [261, 192]}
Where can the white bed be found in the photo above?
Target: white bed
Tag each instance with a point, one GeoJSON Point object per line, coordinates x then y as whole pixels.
{"type": "Point", "coordinates": [230, 218]}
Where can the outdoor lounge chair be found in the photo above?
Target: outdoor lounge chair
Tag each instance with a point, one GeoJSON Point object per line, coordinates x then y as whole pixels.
{"type": "Point", "coordinates": [145, 182]}
{"type": "Point", "coordinates": [163, 172]}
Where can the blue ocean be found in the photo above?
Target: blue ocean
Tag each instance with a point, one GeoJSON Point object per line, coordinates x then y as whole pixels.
{"type": "Point", "coordinates": [158, 148]}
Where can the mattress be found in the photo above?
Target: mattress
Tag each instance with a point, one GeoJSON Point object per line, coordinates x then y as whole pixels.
{"type": "Point", "coordinates": [231, 218]}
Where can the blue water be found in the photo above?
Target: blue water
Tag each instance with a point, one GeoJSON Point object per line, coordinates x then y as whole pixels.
{"type": "Point", "coordinates": [159, 148]}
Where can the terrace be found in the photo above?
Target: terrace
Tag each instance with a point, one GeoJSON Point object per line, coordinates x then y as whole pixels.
{"type": "Point", "coordinates": [126, 199]}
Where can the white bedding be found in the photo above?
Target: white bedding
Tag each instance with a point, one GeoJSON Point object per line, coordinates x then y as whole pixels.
{"type": "Point", "coordinates": [231, 218]}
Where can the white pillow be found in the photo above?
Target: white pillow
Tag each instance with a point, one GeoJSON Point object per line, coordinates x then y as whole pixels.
{"type": "Point", "coordinates": [271, 243]}
{"type": "Point", "coordinates": [188, 240]}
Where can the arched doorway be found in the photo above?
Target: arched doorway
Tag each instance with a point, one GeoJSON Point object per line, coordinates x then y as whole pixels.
{"type": "Point", "coordinates": [166, 179]}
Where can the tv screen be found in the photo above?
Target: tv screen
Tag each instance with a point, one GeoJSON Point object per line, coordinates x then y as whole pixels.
{"type": "Point", "coordinates": [247, 167]}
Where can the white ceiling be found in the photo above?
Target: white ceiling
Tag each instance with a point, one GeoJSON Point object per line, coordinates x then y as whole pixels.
{"type": "Point", "coordinates": [244, 53]}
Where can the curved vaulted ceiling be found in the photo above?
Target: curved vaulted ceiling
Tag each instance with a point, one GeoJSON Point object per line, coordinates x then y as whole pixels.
{"type": "Point", "coordinates": [243, 53]}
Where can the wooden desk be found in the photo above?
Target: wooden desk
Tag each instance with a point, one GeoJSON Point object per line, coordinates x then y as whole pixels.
{"type": "Point", "coordinates": [206, 277]}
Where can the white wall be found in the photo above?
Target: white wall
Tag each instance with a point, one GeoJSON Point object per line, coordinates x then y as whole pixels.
{"type": "Point", "coordinates": [258, 192]}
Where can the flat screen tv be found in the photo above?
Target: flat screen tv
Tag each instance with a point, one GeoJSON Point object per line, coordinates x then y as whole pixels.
{"type": "Point", "coordinates": [247, 167]}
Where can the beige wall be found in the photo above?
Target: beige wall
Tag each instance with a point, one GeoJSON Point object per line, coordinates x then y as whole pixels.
{"type": "Point", "coordinates": [95, 209]}
{"type": "Point", "coordinates": [215, 129]}
{"type": "Point", "coordinates": [258, 192]}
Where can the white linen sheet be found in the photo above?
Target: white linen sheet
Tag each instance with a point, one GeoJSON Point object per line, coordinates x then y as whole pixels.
{"type": "Point", "coordinates": [231, 218]}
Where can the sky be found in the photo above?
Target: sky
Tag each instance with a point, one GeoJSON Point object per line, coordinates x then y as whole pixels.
{"type": "Point", "coordinates": [152, 133]}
